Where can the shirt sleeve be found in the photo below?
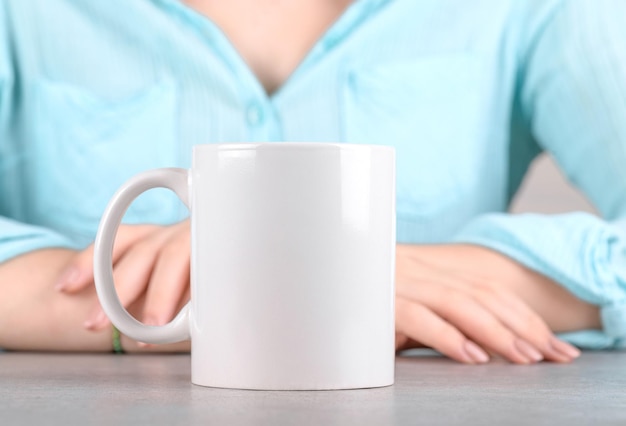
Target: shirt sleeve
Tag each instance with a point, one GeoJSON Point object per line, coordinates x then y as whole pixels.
{"type": "Point", "coordinates": [573, 95]}
{"type": "Point", "coordinates": [18, 238]}
{"type": "Point", "coordinates": [15, 237]}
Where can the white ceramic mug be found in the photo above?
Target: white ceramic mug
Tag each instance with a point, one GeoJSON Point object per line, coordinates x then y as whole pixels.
{"type": "Point", "coordinates": [292, 265]}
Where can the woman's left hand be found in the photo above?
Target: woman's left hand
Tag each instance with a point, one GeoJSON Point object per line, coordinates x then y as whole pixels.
{"type": "Point", "coordinates": [464, 301]}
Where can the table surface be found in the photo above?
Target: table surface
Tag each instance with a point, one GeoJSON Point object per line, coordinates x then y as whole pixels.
{"type": "Point", "coordinates": [155, 389]}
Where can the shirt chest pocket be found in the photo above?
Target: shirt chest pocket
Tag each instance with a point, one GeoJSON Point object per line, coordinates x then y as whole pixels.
{"type": "Point", "coordinates": [85, 147]}
{"type": "Point", "coordinates": [431, 111]}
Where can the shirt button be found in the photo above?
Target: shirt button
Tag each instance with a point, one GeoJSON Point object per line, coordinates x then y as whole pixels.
{"type": "Point", "coordinates": [254, 115]}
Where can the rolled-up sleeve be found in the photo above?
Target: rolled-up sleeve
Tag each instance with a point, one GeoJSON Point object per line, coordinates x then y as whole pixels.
{"type": "Point", "coordinates": [573, 94]}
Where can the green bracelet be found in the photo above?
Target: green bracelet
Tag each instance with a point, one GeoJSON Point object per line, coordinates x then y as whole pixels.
{"type": "Point", "coordinates": [117, 341]}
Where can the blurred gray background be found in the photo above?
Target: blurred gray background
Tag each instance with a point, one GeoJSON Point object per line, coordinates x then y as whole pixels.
{"type": "Point", "coordinates": [545, 190]}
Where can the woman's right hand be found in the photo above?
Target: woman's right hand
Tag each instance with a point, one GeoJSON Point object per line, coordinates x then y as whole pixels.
{"type": "Point", "coordinates": [150, 268]}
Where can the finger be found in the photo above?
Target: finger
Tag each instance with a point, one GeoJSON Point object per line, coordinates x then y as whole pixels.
{"type": "Point", "coordinates": [136, 309]}
{"type": "Point", "coordinates": [515, 314]}
{"type": "Point", "coordinates": [131, 276]}
{"type": "Point", "coordinates": [401, 341]}
{"type": "Point", "coordinates": [130, 346]}
{"type": "Point", "coordinates": [474, 320]}
{"type": "Point", "coordinates": [537, 342]}
{"type": "Point", "coordinates": [404, 343]}
{"type": "Point", "coordinates": [169, 281]}
{"type": "Point", "coordinates": [419, 323]}
{"type": "Point", "coordinates": [79, 273]}
{"type": "Point", "coordinates": [483, 326]}
{"type": "Point", "coordinates": [526, 323]}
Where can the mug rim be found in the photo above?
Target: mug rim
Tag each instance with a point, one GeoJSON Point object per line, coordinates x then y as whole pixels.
{"type": "Point", "coordinates": [242, 146]}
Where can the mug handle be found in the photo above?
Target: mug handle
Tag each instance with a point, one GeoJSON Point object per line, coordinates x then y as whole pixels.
{"type": "Point", "coordinates": [178, 329]}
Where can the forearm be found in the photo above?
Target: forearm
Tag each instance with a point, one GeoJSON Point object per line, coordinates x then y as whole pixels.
{"type": "Point", "coordinates": [34, 316]}
{"type": "Point", "coordinates": [560, 309]}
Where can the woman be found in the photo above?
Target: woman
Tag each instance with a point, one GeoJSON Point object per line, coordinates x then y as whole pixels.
{"type": "Point", "coordinates": [93, 92]}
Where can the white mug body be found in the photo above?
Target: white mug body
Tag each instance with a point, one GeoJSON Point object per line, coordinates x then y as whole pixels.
{"type": "Point", "coordinates": [293, 249]}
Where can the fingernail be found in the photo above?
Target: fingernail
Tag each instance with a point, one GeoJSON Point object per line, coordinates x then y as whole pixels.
{"type": "Point", "coordinates": [96, 321]}
{"type": "Point", "coordinates": [150, 320]}
{"type": "Point", "coordinates": [565, 348]}
{"type": "Point", "coordinates": [475, 353]}
{"type": "Point", "coordinates": [528, 350]}
{"type": "Point", "coordinates": [69, 277]}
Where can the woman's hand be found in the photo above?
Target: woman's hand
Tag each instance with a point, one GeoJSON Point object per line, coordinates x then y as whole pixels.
{"type": "Point", "coordinates": [469, 303]}
{"type": "Point", "coordinates": [150, 266]}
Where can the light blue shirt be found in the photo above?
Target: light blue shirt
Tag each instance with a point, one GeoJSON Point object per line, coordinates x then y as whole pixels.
{"type": "Point", "coordinates": [92, 92]}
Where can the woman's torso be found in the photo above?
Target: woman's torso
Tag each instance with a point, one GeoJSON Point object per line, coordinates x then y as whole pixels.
{"type": "Point", "coordinates": [102, 95]}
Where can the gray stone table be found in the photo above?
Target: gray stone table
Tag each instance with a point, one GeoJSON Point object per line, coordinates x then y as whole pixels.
{"type": "Point", "coordinates": [48, 389]}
